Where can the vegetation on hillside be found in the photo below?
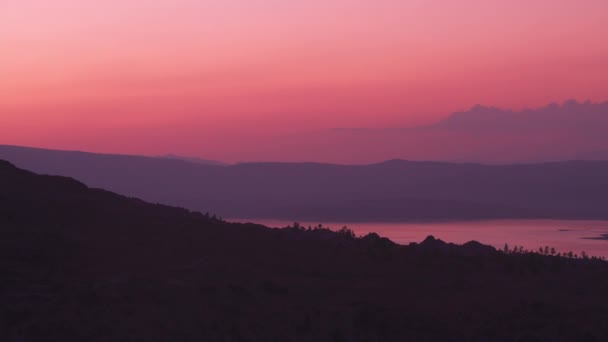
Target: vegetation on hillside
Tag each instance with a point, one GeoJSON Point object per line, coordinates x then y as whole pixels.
{"type": "Point", "coordinates": [78, 264]}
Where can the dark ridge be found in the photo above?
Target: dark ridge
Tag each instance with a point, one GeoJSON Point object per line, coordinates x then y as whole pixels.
{"type": "Point", "coordinates": [601, 237]}
{"type": "Point", "coordinates": [80, 264]}
{"type": "Point", "coordinates": [5, 164]}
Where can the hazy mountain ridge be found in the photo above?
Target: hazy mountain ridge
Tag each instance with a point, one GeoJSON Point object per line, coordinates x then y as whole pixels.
{"type": "Point", "coordinates": [392, 191]}
{"type": "Point", "coordinates": [193, 160]}
{"type": "Point", "coordinates": [569, 116]}
{"type": "Point", "coordinates": [556, 132]}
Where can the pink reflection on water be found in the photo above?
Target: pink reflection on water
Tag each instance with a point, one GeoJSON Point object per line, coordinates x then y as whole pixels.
{"type": "Point", "coordinates": [565, 236]}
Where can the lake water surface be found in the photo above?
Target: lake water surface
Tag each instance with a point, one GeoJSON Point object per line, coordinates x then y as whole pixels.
{"type": "Point", "coordinates": [565, 236]}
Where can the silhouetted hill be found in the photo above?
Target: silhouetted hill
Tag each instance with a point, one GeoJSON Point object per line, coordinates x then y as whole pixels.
{"type": "Point", "coordinates": [390, 191]}
{"type": "Point", "coordinates": [80, 264]}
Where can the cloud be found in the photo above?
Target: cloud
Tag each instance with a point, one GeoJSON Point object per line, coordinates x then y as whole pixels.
{"type": "Point", "coordinates": [571, 130]}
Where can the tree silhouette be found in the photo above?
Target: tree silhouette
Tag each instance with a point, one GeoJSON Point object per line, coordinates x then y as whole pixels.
{"type": "Point", "coordinates": [347, 232]}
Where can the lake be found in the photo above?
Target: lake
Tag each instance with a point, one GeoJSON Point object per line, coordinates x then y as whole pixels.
{"type": "Point", "coordinates": [565, 236]}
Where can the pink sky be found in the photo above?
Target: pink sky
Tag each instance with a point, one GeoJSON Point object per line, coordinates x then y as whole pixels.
{"type": "Point", "coordinates": [246, 79]}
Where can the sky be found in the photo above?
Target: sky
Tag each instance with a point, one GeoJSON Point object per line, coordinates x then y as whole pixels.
{"type": "Point", "coordinates": [243, 80]}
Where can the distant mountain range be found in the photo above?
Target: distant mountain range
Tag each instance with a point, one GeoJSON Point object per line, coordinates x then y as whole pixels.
{"type": "Point", "coordinates": [556, 132]}
{"type": "Point", "coordinates": [572, 116]}
{"type": "Point", "coordinates": [395, 190]}
{"type": "Point", "coordinates": [193, 159]}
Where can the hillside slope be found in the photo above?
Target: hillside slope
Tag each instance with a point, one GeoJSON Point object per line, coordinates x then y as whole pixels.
{"type": "Point", "coordinates": [84, 264]}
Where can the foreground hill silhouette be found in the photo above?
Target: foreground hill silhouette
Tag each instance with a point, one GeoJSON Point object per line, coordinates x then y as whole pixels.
{"type": "Point", "coordinates": [391, 191]}
{"type": "Point", "coordinates": [81, 264]}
